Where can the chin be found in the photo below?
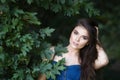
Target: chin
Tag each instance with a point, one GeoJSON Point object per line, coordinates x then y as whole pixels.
{"type": "Point", "coordinates": [75, 47]}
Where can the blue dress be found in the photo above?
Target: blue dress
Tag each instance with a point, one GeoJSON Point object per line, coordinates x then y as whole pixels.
{"type": "Point", "coordinates": [71, 72]}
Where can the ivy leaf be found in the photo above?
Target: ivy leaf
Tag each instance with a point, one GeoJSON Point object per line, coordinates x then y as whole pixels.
{"type": "Point", "coordinates": [55, 70]}
{"type": "Point", "coordinates": [56, 8]}
{"type": "Point", "coordinates": [18, 75]}
{"type": "Point", "coordinates": [61, 67]}
{"type": "Point", "coordinates": [48, 66]}
{"type": "Point", "coordinates": [29, 77]}
{"type": "Point", "coordinates": [1, 49]}
{"type": "Point", "coordinates": [3, 1]}
{"type": "Point", "coordinates": [53, 77]}
{"type": "Point", "coordinates": [59, 49]}
{"type": "Point", "coordinates": [31, 18]}
{"type": "Point", "coordinates": [2, 57]}
{"type": "Point", "coordinates": [91, 10]}
{"type": "Point", "coordinates": [62, 1]}
{"type": "Point", "coordinates": [45, 66]}
{"type": "Point", "coordinates": [35, 69]}
{"type": "Point", "coordinates": [29, 1]}
{"type": "Point", "coordinates": [46, 32]}
{"type": "Point", "coordinates": [46, 54]}
{"type": "Point", "coordinates": [13, 0]}
{"type": "Point", "coordinates": [17, 12]}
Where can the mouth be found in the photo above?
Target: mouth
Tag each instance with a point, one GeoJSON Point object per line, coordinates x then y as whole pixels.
{"type": "Point", "coordinates": [76, 44]}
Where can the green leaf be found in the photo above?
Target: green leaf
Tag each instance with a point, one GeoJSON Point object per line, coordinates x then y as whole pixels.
{"type": "Point", "coordinates": [13, 0]}
{"type": "Point", "coordinates": [62, 1]}
{"type": "Point", "coordinates": [45, 4]}
{"type": "Point", "coordinates": [31, 18]}
{"type": "Point", "coordinates": [91, 10]}
{"type": "Point", "coordinates": [19, 75]}
{"type": "Point", "coordinates": [2, 57]}
{"type": "Point", "coordinates": [53, 77]}
{"type": "Point", "coordinates": [14, 22]}
{"type": "Point", "coordinates": [48, 54]}
{"type": "Point", "coordinates": [61, 68]}
{"type": "Point", "coordinates": [59, 50]}
{"type": "Point", "coordinates": [45, 67]}
{"type": "Point", "coordinates": [18, 12]}
{"type": "Point", "coordinates": [1, 49]}
{"type": "Point", "coordinates": [46, 32]}
{"type": "Point", "coordinates": [29, 1]}
{"type": "Point", "coordinates": [48, 66]}
{"type": "Point", "coordinates": [56, 8]}
{"type": "Point", "coordinates": [29, 77]}
{"type": "Point", "coordinates": [3, 1]}
{"type": "Point", "coordinates": [36, 69]}
{"type": "Point", "coordinates": [55, 70]}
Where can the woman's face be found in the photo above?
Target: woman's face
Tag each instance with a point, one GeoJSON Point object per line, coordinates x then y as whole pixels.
{"type": "Point", "coordinates": [79, 37]}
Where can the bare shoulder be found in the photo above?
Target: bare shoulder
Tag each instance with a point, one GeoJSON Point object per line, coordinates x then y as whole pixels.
{"type": "Point", "coordinates": [57, 58]}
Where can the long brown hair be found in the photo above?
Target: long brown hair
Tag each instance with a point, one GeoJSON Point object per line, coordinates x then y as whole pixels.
{"type": "Point", "coordinates": [88, 54]}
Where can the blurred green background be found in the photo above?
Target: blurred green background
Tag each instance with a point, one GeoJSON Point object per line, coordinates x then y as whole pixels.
{"type": "Point", "coordinates": [18, 18]}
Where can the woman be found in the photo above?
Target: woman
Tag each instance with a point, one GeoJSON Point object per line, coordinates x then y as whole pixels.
{"type": "Point", "coordinates": [84, 55]}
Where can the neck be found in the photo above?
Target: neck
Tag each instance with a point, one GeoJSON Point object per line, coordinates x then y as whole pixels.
{"type": "Point", "coordinates": [72, 50]}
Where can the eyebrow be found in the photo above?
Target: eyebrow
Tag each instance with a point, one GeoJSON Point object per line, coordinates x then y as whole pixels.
{"type": "Point", "coordinates": [76, 30]}
{"type": "Point", "coordinates": [82, 35]}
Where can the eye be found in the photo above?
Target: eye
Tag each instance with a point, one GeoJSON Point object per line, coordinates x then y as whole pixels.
{"type": "Point", "coordinates": [85, 37]}
{"type": "Point", "coordinates": [75, 32]}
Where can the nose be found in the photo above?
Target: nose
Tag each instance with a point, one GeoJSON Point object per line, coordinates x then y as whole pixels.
{"type": "Point", "coordinates": [77, 39]}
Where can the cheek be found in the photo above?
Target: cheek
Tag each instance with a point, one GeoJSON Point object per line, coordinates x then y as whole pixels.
{"type": "Point", "coordinates": [83, 43]}
{"type": "Point", "coordinates": [71, 38]}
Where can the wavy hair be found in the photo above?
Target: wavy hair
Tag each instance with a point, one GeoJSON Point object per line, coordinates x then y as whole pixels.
{"type": "Point", "coordinates": [88, 54]}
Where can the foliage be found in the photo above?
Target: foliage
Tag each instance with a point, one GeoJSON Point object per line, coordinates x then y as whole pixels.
{"type": "Point", "coordinates": [110, 27]}
{"type": "Point", "coordinates": [24, 49]}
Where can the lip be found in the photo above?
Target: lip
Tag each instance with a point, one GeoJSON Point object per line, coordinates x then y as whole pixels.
{"type": "Point", "coordinates": [76, 44]}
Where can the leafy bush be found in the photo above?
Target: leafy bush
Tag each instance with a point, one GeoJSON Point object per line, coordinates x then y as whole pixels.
{"type": "Point", "coordinates": [24, 50]}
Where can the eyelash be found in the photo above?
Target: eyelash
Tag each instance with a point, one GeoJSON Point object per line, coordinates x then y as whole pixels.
{"type": "Point", "coordinates": [75, 32]}
{"type": "Point", "coordinates": [85, 38]}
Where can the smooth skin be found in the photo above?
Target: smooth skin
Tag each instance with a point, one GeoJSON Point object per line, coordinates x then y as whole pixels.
{"type": "Point", "coordinates": [78, 39]}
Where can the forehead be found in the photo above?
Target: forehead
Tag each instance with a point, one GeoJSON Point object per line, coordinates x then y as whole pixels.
{"type": "Point", "coordinates": [81, 30]}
